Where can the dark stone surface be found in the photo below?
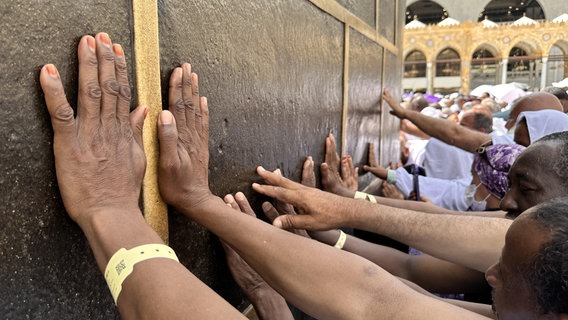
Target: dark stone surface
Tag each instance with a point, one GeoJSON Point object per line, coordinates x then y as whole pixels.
{"type": "Point", "coordinates": [273, 74]}
{"type": "Point", "coordinates": [387, 21]}
{"type": "Point", "coordinates": [274, 93]}
{"type": "Point", "coordinates": [365, 80]}
{"type": "Point", "coordinates": [363, 9]}
{"type": "Point", "coordinates": [47, 270]}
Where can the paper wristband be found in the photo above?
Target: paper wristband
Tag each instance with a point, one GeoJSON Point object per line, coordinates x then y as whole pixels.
{"type": "Point", "coordinates": [121, 264]}
{"type": "Point", "coordinates": [365, 196]}
{"type": "Point", "coordinates": [341, 241]}
{"type": "Point", "coordinates": [360, 195]}
{"type": "Point", "coordinates": [391, 176]}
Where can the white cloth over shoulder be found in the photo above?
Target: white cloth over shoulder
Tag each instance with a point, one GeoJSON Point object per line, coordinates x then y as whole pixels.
{"type": "Point", "coordinates": [444, 161]}
{"type": "Point", "coordinates": [447, 194]}
{"type": "Point", "coordinates": [501, 139]}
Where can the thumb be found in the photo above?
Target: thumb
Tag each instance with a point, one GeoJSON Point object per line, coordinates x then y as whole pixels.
{"type": "Point", "coordinates": [291, 221]}
{"type": "Point", "coordinates": [366, 168]}
{"type": "Point", "coordinates": [168, 137]}
{"type": "Point", "coordinates": [137, 117]}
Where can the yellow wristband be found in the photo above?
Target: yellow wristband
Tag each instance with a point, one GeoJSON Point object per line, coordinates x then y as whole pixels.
{"type": "Point", "coordinates": [341, 241]}
{"type": "Point", "coordinates": [365, 196]}
{"type": "Point", "coordinates": [121, 264]}
{"type": "Point", "coordinates": [360, 195]}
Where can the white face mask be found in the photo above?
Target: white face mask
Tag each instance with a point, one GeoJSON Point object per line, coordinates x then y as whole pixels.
{"type": "Point", "coordinates": [469, 195]}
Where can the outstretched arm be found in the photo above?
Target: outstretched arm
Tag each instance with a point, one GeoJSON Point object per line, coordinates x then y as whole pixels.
{"type": "Point", "coordinates": [447, 131]}
{"type": "Point", "coordinates": [100, 163]}
{"type": "Point", "coordinates": [267, 303]}
{"type": "Point", "coordinates": [470, 241]}
{"type": "Point", "coordinates": [320, 279]}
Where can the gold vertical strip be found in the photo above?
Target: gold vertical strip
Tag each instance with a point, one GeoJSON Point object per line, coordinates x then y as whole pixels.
{"type": "Point", "coordinates": [345, 88]}
{"type": "Point", "coordinates": [380, 146]}
{"type": "Point", "coordinates": [377, 16]}
{"type": "Point", "coordinates": [147, 68]}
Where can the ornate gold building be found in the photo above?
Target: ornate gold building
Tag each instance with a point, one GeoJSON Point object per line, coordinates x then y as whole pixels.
{"type": "Point", "coordinates": [458, 57]}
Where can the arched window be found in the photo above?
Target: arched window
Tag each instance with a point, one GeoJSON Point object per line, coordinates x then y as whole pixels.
{"type": "Point", "coordinates": [484, 67]}
{"type": "Point", "coordinates": [507, 10]}
{"type": "Point", "coordinates": [448, 63]}
{"type": "Point", "coordinates": [557, 63]}
{"type": "Point", "coordinates": [518, 60]}
{"type": "Point", "coordinates": [415, 65]}
{"type": "Point", "coordinates": [428, 12]}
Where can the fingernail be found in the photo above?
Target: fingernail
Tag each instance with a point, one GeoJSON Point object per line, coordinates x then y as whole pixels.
{"type": "Point", "coordinates": [166, 117]}
{"type": "Point", "coordinates": [240, 196]}
{"type": "Point", "coordinates": [186, 67]}
{"type": "Point", "coordinates": [145, 112]}
{"type": "Point", "coordinates": [52, 70]}
{"type": "Point", "coordinates": [260, 169]}
{"type": "Point", "coordinates": [105, 39]}
{"type": "Point", "coordinates": [91, 43]}
{"type": "Point", "coordinates": [118, 50]}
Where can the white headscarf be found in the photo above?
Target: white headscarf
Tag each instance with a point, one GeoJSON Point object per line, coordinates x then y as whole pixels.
{"type": "Point", "coordinates": [544, 122]}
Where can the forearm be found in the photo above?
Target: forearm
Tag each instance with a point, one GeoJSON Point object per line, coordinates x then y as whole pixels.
{"type": "Point", "coordinates": [303, 280]}
{"type": "Point", "coordinates": [403, 204]}
{"type": "Point", "coordinates": [412, 129]}
{"type": "Point", "coordinates": [433, 274]}
{"type": "Point", "coordinates": [479, 308]}
{"type": "Point", "coordinates": [472, 241]}
{"type": "Point", "coordinates": [449, 132]}
{"type": "Point", "coordinates": [179, 291]}
{"type": "Point", "coordinates": [413, 205]}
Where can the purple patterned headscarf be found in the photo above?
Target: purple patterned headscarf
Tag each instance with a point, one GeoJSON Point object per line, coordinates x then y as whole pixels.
{"type": "Point", "coordinates": [493, 164]}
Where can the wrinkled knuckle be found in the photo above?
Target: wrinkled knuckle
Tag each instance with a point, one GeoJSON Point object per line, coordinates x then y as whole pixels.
{"type": "Point", "coordinates": [63, 112]}
{"type": "Point", "coordinates": [111, 87]}
{"type": "Point", "coordinates": [195, 88]}
{"type": "Point", "coordinates": [107, 55]}
{"type": "Point", "coordinates": [124, 92]}
{"type": "Point", "coordinates": [120, 66]}
{"type": "Point", "coordinates": [93, 90]}
{"type": "Point", "coordinates": [91, 61]}
{"type": "Point", "coordinates": [179, 105]}
{"type": "Point", "coordinates": [188, 102]}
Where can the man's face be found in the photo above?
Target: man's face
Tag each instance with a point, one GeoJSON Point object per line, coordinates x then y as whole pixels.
{"type": "Point", "coordinates": [512, 298]}
{"type": "Point", "coordinates": [522, 136]}
{"type": "Point", "coordinates": [532, 180]}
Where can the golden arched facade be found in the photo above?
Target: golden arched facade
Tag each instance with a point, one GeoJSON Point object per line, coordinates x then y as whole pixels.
{"type": "Point", "coordinates": [536, 40]}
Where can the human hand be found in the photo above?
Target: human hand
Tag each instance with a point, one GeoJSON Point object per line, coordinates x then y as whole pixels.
{"type": "Point", "coordinates": [349, 174]}
{"type": "Point", "coordinates": [245, 276]}
{"type": "Point", "coordinates": [332, 180]}
{"type": "Point", "coordinates": [331, 155]}
{"type": "Point", "coordinates": [317, 210]}
{"type": "Point", "coordinates": [412, 196]}
{"type": "Point", "coordinates": [308, 174]}
{"type": "Point", "coordinates": [183, 133]}
{"type": "Point", "coordinates": [373, 166]}
{"type": "Point", "coordinates": [283, 208]}
{"type": "Point", "coordinates": [391, 191]}
{"type": "Point", "coordinates": [99, 159]}
{"type": "Point", "coordinates": [371, 156]}
{"type": "Point", "coordinates": [396, 109]}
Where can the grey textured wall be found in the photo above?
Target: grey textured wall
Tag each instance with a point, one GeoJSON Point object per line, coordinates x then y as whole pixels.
{"type": "Point", "coordinates": [273, 72]}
